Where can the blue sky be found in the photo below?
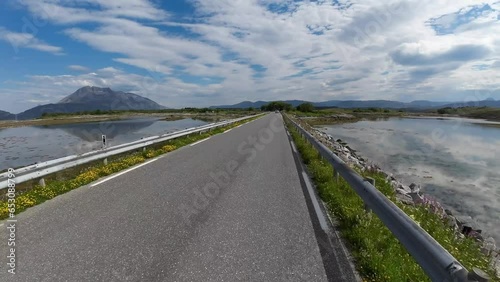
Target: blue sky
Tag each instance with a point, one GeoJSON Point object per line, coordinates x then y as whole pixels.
{"type": "Point", "coordinates": [202, 53]}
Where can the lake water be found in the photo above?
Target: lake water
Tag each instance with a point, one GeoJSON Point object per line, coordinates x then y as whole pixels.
{"type": "Point", "coordinates": [27, 145]}
{"type": "Point", "coordinates": [454, 160]}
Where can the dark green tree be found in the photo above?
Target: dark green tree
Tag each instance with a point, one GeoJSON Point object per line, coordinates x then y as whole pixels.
{"type": "Point", "coordinates": [277, 106]}
{"type": "Point", "coordinates": [306, 107]}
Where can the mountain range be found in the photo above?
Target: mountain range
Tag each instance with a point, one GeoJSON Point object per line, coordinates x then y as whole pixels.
{"type": "Point", "coordinates": [386, 104]}
{"type": "Point", "coordinates": [6, 115]}
{"type": "Point", "coordinates": [89, 98]}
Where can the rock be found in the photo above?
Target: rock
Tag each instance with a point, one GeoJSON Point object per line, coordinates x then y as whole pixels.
{"type": "Point", "coordinates": [402, 192]}
{"type": "Point", "coordinates": [405, 199]}
{"type": "Point", "coordinates": [416, 197]}
{"type": "Point", "coordinates": [476, 234]}
{"type": "Point", "coordinates": [414, 187]}
{"type": "Point", "coordinates": [489, 245]}
{"type": "Point", "coordinates": [451, 221]}
{"type": "Point", "coordinates": [404, 187]}
{"type": "Point", "coordinates": [464, 220]}
{"type": "Point", "coordinates": [469, 227]}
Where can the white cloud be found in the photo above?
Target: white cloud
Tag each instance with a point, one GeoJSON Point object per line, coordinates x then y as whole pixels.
{"type": "Point", "coordinates": [170, 92]}
{"type": "Point", "coordinates": [26, 40]}
{"type": "Point", "coordinates": [78, 68]}
{"type": "Point", "coordinates": [307, 50]}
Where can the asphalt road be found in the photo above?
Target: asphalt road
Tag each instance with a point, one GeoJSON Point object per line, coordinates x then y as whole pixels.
{"type": "Point", "coordinates": [231, 208]}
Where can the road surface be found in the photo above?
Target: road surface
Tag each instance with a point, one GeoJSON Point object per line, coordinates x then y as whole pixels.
{"type": "Point", "coordinates": [230, 208]}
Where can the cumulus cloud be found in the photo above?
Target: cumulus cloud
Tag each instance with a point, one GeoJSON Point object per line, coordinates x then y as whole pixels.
{"type": "Point", "coordinates": [78, 68]}
{"type": "Point", "coordinates": [406, 55]}
{"type": "Point", "coordinates": [170, 92]}
{"type": "Point", "coordinates": [314, 50]}
{"type": "Point", "coordinates": [26, 40]}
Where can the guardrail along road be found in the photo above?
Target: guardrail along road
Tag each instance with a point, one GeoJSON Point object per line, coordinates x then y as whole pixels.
{"type": "Point", "coordinates": [229, 208]}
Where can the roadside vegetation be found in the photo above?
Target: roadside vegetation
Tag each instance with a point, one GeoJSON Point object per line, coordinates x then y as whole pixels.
{"type": "Point", "coordinates": [337, 115]}
{"type": "Point", "coordinates": [378, 254]}
{"type": "Point", "coordinates": [276, 106]}
{"type": "Point", "coordinates": [32, 195]}
{"type": "Point", "coordinates": [331, 115]}
{"type": "Point", "coordinates": [487, 113]}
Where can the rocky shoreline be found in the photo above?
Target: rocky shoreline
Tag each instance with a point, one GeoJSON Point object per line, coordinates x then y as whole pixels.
{"type": "Point", "coordinates": [412, 195]}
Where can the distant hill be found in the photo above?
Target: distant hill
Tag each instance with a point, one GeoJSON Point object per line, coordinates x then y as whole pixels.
{"type": "Point", "coordinates": [361, 104]}
{"type": "Point", "coordinates": [6, 115]}
{"type": "Point", "coordinates": [90, 98]}
{"type": "Point", "coordinates": [484, 103]}
{"type": "Point", "coordinates": [347, 104]}
{"type": "Point", "coordinates": [256, 105]}
{"type": "Point", "coordinates": [425, 104]}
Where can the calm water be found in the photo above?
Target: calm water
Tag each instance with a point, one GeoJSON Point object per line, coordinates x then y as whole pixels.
{"type": "Point", "coordinates": [455, 161]}
{"type": "Point", "coordinates": [23, 146]}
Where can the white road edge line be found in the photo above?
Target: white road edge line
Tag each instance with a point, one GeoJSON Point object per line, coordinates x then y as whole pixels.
{"type": "Point", "coordinates": [293, 147]}
{"type": "Point", "coordinates": [228, 130]}
{"type": "Point", "coordinates": [198, 142]}
{"type": "Point", "coordinates": [123, 172]}
{"type": "Point", "coordinates": [321, 217]}
{"type": "Point", "coordinates": [239, 126]}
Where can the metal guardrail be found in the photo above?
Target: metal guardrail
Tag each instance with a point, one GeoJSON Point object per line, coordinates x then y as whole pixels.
{"type": "Point", "coordinates": [39, 170]}
{"type": "Point", "coordinates": [436, 261]}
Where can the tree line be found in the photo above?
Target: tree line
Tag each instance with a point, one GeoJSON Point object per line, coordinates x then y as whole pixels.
{"type": "Point", "coordinates": [282, 106]}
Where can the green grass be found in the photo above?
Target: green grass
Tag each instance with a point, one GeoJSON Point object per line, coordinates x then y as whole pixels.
{"type": "Point", "coordinates": [378, 254]}
{"type": "Point", "coordinates": [37, 194]}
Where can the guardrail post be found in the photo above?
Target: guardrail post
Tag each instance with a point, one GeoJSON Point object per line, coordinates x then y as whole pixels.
{"type": "Point", "coordinates": [41, 182]}
{"type": "Point", "coordinates": [144, 149]}
{"type": "Point", "coordinates": [336, 175]}
{"type": "Point", "coordinates": [105, 161]}
{"type": "Point", "coordinates": [478, 275]}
